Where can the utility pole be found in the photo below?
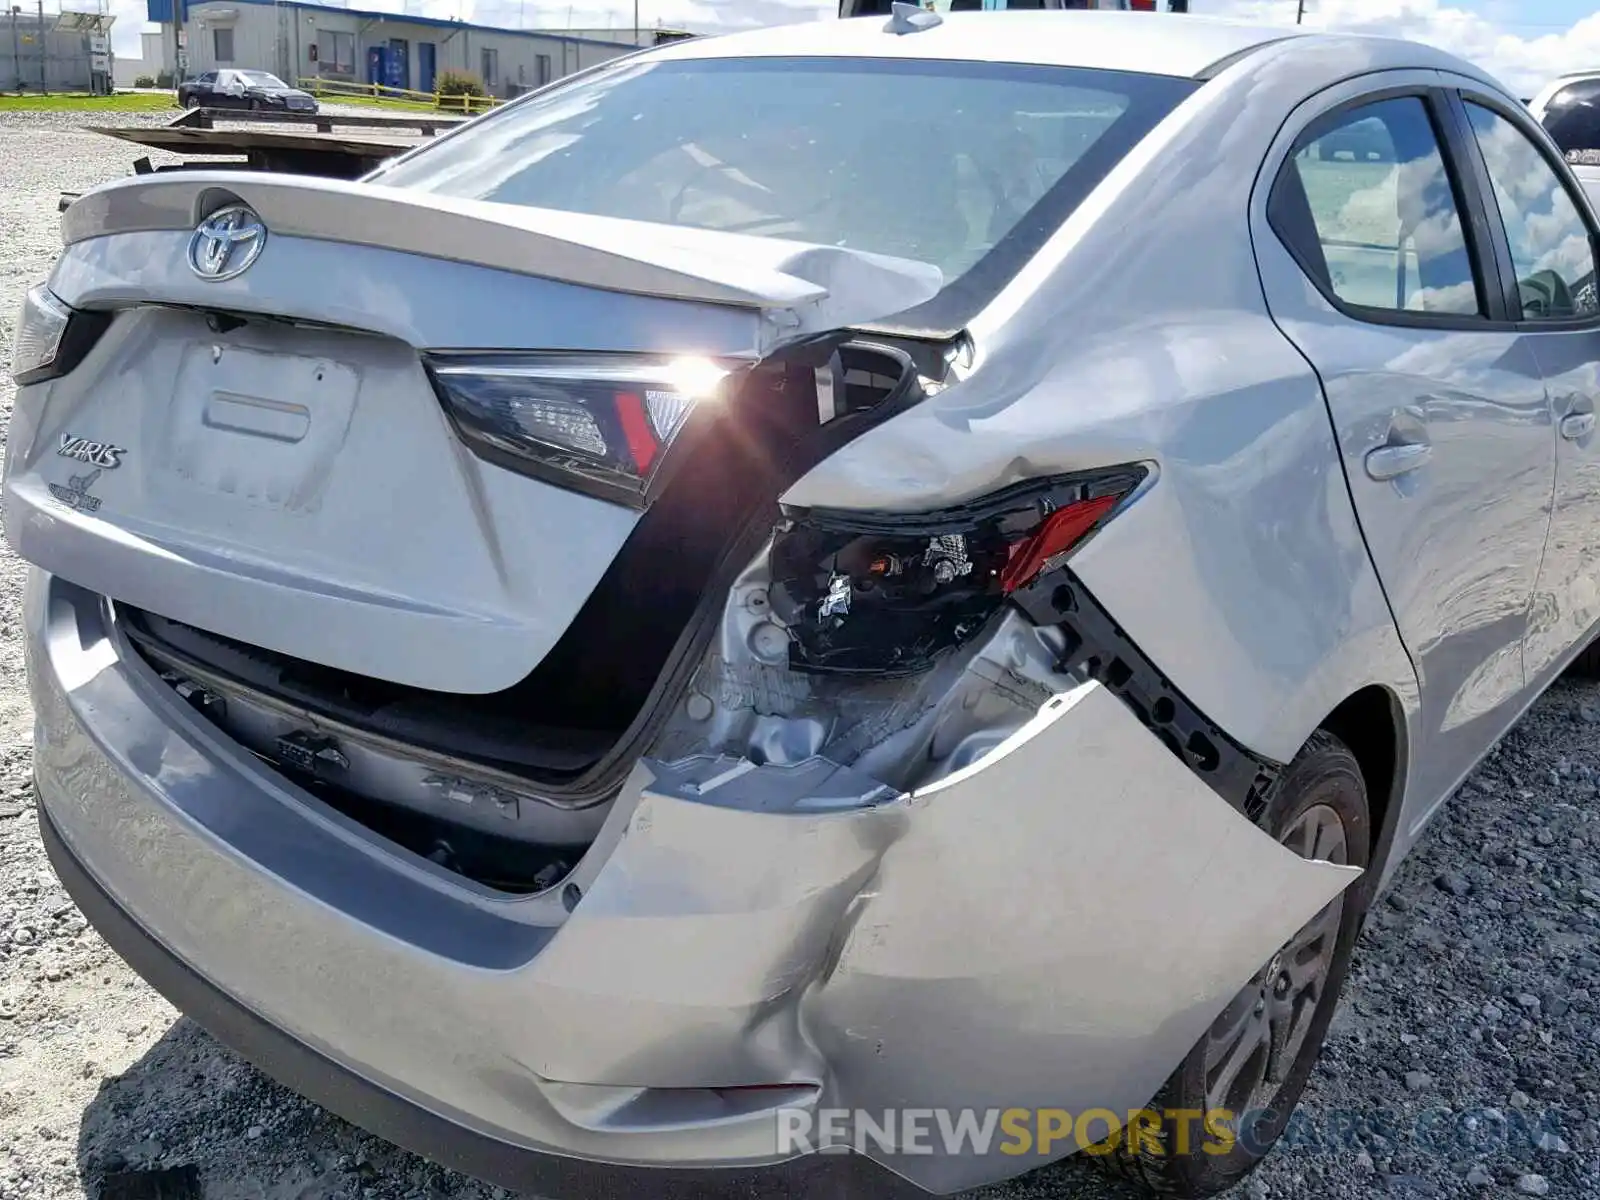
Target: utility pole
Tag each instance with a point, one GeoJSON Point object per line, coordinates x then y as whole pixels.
{"type": "Point", "coordinates": [16, 47]}
{"type": "Point", "coordinates": [1300, 13]}
{"type": "Point", "coordinates": [44, 84]}
{"type": "Point", "coordinates": [635, 22]}
{"type": "Point", "coordinates": [177, 42]}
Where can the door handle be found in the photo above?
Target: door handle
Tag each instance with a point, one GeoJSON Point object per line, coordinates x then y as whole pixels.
{"type": "Point", "coordinates": [1391, 462]}
{"type": "Point", "coordinates": [1577, 425]}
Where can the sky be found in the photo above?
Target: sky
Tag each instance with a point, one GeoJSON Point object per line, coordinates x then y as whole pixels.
{"type": "Point", "coordinates": [1524, 42]}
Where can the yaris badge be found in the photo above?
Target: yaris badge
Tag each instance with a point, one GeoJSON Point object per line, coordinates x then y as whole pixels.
{"type": "Point", "coordinates": [226, 243]}
{"type": "Point", "coordinates": [85, 450]}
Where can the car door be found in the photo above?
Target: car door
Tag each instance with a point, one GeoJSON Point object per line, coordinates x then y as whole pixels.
{"type": "Point", "coordinates": [1378, 266]}
{"type": "Point", "coordinates": [205, 89]}
{"type": "Point", "coordinates": [1545, 245]}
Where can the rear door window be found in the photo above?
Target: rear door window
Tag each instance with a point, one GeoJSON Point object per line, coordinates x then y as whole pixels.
{"type": "Point", "coordinates": [1367, 205]}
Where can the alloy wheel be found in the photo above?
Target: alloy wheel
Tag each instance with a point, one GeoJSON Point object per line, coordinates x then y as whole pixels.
{"type": "Point", "coordinates": [1255, 1042]}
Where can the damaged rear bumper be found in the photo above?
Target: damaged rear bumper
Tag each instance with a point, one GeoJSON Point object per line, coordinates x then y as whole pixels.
{"type": "Point", "coordinates": [1052, 926]}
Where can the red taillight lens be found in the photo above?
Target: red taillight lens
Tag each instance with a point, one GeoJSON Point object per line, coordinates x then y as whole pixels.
{"type": "Point", "coordinates": [643, 442]}
{"type": "Point", "coordinates": [1060, 532]}
{"type": "Point", "coordinates": [887, 594]}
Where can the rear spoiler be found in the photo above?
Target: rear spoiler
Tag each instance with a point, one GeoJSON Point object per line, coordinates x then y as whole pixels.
{"type": "Point", "coordinates": [804, 288]}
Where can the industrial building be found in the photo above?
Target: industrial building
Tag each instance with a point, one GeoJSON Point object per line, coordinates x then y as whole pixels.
{"type": "Point", "coordinates": [65, 51]}
{"type": "Point", "coordinates": [297, 40]}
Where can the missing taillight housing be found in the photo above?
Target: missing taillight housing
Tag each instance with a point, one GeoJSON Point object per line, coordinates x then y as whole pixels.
{"type": "Point", "coordinates": [888, 594]}
{"type": "Point", "coordinates": [603, 424]}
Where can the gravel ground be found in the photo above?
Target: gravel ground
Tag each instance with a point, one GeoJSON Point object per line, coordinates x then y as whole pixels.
{"type": "Point", "coordinates": [1464, 1061]}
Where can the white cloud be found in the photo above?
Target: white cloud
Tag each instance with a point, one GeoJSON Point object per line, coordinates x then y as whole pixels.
{"type": "Point", "coordinates": [1524, 63]}
{"type": "Point", "coordinates": [698, 15]}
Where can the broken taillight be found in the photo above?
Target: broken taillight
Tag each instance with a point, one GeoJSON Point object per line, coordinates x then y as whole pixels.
{"type": "Point", "coordinates": [596, 423]}
{"type": "Point", "coordinates": [890, 593]}
{"type": "Point", "coordinates": [1057, 534]}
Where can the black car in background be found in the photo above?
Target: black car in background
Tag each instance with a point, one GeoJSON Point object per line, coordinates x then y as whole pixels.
{"type": "Point", "coordinates": [1570, 111]}
{"type": "Point", "coordinates": [256, 90]}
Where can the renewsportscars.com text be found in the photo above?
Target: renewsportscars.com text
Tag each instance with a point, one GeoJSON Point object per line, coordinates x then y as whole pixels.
{"type": "Point", "coordinates": [1047, 1132]}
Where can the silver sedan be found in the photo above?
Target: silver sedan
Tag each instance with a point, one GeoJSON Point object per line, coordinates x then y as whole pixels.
{"type": "Point", "coordinates": [895, 586]}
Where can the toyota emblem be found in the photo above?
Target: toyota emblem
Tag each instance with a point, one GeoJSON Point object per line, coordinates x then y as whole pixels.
{"type": "Point", "coordinates": [226, 243]}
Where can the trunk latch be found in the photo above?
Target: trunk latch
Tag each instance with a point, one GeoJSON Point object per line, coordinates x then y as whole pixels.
{"type": "Point", "coordinates": [308, 752]}
{"type": "Point", "coordinates": [200, 699]}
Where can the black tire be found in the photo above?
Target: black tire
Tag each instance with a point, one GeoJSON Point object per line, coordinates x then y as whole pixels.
{"type": "Point", "coordinates": [1324, 775]}
{"type": "Point", "coordinates": [189, 100]}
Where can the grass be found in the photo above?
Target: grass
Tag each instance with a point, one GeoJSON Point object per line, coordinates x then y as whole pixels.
{"type": "Point", "coordinates": [81, 102]}
{"type": "Point", "coordinates": [380, 102]}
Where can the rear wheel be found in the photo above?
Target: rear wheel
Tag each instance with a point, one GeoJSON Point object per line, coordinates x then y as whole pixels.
{"type": "Point", "coordinates": [1257, 1055]}
{"type": "Point", "coordinates": [190, 100]}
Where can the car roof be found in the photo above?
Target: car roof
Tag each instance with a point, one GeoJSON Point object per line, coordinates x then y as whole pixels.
{"type": "Point", "coordinates": [1182, 46]}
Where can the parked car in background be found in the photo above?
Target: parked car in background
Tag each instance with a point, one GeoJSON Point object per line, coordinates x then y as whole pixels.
{"type": "Point", "coordinates": [244, 89]}
{"type": "Point", "coordinates": [1569, 108]}
{"type": "Point", "coordinates": [928, 562]}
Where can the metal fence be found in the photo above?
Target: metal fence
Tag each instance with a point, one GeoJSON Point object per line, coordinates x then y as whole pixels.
{"type": "Point", "coordinates": [333, 89]}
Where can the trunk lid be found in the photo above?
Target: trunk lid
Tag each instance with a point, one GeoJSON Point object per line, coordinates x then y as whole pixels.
{"type": "Point", "coordinates": [799, 289]}
{"type": "Point", "coordinates": [265, 458]}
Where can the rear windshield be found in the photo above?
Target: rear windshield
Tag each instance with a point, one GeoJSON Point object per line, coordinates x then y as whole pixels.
{"type": "Point", "coordinates": [968, 166]}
